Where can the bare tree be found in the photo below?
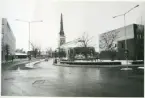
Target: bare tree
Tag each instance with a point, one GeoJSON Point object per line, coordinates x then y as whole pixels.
{"type": "Point", "coordinates": [47, 51]}
{"type": "Point", "coordinates": [39, 50]}
{"type": "Point", "coordinates": [36, 49]}
{"type": "Point", "coordinates": [85, 40]}
{"type": "Point", "coordinates": [107, 40]}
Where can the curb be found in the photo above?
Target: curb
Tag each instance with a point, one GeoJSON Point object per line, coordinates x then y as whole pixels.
{"type": "Point", "coordinates": [99, 66]}
{"type": "Point", "coordinates": [31, 64]}
{"type": "Point", "coordinates": [90, 63]}
{"type": "Point", "coordinates": [38, 62]}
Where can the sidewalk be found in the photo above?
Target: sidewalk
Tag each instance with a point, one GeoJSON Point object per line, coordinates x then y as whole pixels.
{"type": "Point", "coordinates": [9, 63]}
{"type": "Point", "coordinates": [17, 62]}
{"type": "Point", "coordinates": [31, 64]}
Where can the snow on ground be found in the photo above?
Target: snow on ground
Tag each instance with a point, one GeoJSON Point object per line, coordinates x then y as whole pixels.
{"type": "Point", "coordinates": [123, 62]}
{"type": "Point", "coordinates": [31, 64]}
{"type": "Point", "coordinates": [140, 67]}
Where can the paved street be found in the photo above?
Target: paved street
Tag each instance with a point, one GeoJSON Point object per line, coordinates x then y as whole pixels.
{"type": "Point", "coordinates": [46, 79]}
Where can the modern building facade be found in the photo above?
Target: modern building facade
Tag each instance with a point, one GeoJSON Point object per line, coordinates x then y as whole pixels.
{"type": "Point", "coordinates": [8, 39]}
{"type": "Point", "coordinates": [134, 37]}
{"type": "Point", "coordinates": [61, 34]}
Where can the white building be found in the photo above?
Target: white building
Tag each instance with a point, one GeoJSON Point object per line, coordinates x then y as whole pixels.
{"type": "Point", "coordinates": [8, 38]}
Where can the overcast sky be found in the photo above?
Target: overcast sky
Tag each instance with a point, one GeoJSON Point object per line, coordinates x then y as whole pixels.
{"type": "Point", "coordinates": [93, 18]}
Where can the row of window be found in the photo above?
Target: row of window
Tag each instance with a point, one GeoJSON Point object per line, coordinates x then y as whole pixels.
{"type": "Point", "coordinates": [139, 36]}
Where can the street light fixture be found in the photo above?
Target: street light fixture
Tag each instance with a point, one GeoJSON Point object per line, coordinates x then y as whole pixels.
{"type": "Point", "coordinates": [29, 22]}
{"type": "Point", "coordinates": [126, 49]}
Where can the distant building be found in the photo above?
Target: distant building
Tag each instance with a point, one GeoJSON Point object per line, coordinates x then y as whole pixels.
{"type": "Point", "coordinates": [73, 51]}
{"type": "Point", "coordinates": [61, 33]}
{"type": "Point", "coordinates": [20, 55]}
{"type": "Point", "coordinates": [8, 38]}
{"type": "Point", "coordinates": [31, 53]}
{"type": "Point", "coordinates": [135, 42]}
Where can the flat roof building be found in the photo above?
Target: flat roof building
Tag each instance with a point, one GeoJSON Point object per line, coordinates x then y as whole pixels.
{"type": "Point", "coordinates": [8, 38]}
{"type": "Point", "coordinates": [134, 37]}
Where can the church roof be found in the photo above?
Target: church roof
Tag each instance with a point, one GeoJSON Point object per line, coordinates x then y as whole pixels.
{"type": "Point", "coordinates": [70, 44]}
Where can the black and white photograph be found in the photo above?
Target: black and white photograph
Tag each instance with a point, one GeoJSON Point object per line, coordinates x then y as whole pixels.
{"type": "Point", "coordinates": [62, 48]}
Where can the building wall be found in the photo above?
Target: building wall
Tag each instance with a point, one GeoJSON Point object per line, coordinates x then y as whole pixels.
{"type": "Point", "coordinates": [8, 38]}
{"type": "Point", "coordinates": [139, 41]}
{"type": "Point", "coordinates": [134, 39]}
{"type": "Point", "coordinates": [121, 35]}
{"type": "Point", "coordinates": [128, 35]}
{"type": "Point", "coordinates": [130, 47]}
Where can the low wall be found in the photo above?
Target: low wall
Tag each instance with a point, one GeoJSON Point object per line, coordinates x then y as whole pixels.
{"type": "Point", "coordinates": [138, 62]}
{"type": "Point", "coordinates": [90, 63]}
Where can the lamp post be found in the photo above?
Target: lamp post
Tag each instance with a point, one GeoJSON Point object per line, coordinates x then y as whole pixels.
{"type": "Point", "coordinates": [126, 49]}
{"type": "Point", "coordinates": [29, 22]}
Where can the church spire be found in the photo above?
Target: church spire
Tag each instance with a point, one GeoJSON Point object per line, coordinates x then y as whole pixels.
{"type": "Point", "coordinates": [61, 26]}
{"type": "Point", "coordinates": [61, 23]}
{"type": "Point", "coordinates": [61, 33]}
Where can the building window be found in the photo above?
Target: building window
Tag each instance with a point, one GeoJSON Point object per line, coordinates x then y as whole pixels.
{"type": "Point", "coordinates": [137, 36]}
{"type": "Point", "coordinates": [140, 36]}
{"type": "Point", "coordinates": [122, 46]}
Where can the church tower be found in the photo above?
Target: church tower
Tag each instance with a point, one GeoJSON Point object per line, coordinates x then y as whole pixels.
{"type": "Point", "coordinates": [61, 33]}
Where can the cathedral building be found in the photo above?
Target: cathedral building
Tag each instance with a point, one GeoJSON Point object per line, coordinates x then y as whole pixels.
{"type": "Point", "coordinates": [69, 50]}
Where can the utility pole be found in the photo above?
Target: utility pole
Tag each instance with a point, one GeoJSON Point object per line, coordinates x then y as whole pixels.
{"type": "Point", "coordinates": [126, 48]}
{"type": "Point", "coordinates": [29, 22]}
